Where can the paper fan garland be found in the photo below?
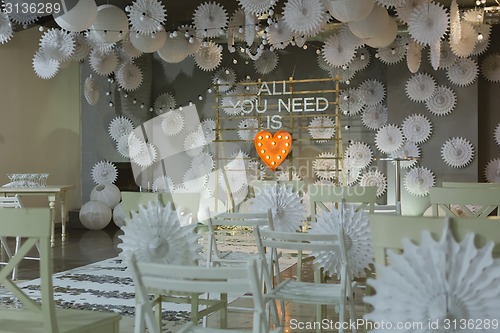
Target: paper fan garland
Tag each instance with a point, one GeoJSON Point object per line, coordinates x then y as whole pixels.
{"type": "Point", "coordinates": [373, 92]}
{"type": "Point", "coordinates": [417, 128]}
{"type": "Point", "coordinates": [304, 17]}
{"type": "Point", "coordinates": [286, 206]}
{"type": "Point", "coordinates": [409, 149]}
{"type": "Point", "coordinates": [146, 16]}
{"type": "Point", "coordinates": [337, 52]}
{"type": "Point", "coordinates": [492, 171]}
{"type": "Point", "coordinates": [257, 7]}
{"type": "Point", "coordinates": [389, 138]}
{"type": "Point", "coordinates": [468, 38]}
{"type": "Point", "coordinates": [45, 67]}
{"type": "Point", "coordinates": [6, 31]}
{"type": "Point", "coordinates": [163, 184]}
{"type": "Point", "coordinates": [420, 87]}
{"type": "Point", "coordinates": [428, 23]}
{"type": "Point", "coordinates": [129, 76]}
{"type": "Point", "coordinates": [103, 63]}
{"type": "Point", "coordinates": [279, 35]}
{"type": "Point", "coordinates": [496, 135]}
{"type": "Point", "coordinates": [164, 103]}
{"type": "Point", "coordinates": [442, 102]}
{"type": "Point", "coordinates": [90, 90]}
{"type": "Point", "coordinates": [418, 181]}
{"type": "Point", "coordinates": [394, 53]}
{"type": "Point", "coordinates": [374, 117]}
{"type": "Point", "coordinates": [208, 57]}
{"type": "Point", "coordinates": [104, 172]}
{"type": "Point", "coordinates": [172, 122]}
{"type": "Point", "coordinates": [225, 78]}
{"type": "Point", "coordinates": [357, 238]}
{"type": "Point", "coordinates": [321, 128]}
{"type": "Point", "coordinates": [208, 127]}
{"type": "Point", "coordinates": [490, 68]}
{"type": "Point", "coordinates": [120, 126]}
{"type": "Point", "coordinates": [351, 101]}
{"type": "Point", "coordinates": [375, 178]}
{"type": "Point", "coordinates": [248, 128]}
{"type": "Point", "coordinates": [267, 62]}
{"type": "Point", "coordinates": [413, 56]}
{"type": "Point", "coordinates": [325, 166]}
{"type": "Point", "coordinates": [463, 73]}
{"type": "Point", "coordinates": [146, 156]}
{"type": "Point", "coordinates": [358, 155]}
{"type": "Point", "coordinates": [210, 20]}
{"type": "Point", "coordinates": [457, 152]}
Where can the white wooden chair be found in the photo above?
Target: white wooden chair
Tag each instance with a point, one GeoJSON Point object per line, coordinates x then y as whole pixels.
{"type": "Point", "coordinates": [270, 241]}
{"type": "Point", "coordinates": [193, 279]}
{"type": "Point", "coordinates": [469, 185]}
{"type": "Point", "coordinates": [35, 225]}
{"type": "Point", "coordinates": [451, 200]}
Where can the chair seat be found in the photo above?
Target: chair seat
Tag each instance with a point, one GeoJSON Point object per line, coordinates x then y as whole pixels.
{"type": "Point", "coordinates": [235, 257]}
{"type": "Point", "coordinates": [192, 328]}
{"type": "Point", "coordinates": [69, 321]}
{"type": "Point", "coordinates": [307, 293]}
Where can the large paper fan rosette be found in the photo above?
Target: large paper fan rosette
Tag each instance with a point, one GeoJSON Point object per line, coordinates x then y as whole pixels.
{"type": "Point", "coordinates": [304, 17]}
{"type": "Point", "coordinates": [208, 57]}
{"type": "Point", "coordinates": [389, 138]}
{"type": "Point", "coordinates": [155, 234]}
{"type": "Point", "coordinates": [457, 152]}
{"type": "Point", "coordinates": [374, 117]}
{"type": "Point", "coordinates": [418, 180]}
{"type": "Point", "coordinates": [147, 16]}
{"type": "Point", "coordinates": [129, 76]}
{"type": "Point", "coordinates": [428, 23]}
{"type": "Point", "coordinates": [442, 102]}
{"type": "Point", "coordinates": [45, 67]}
{"type": "Point", "coordinates": [420, 87]}
{"type": "Point", "coordinates": [373, 91]}
{"type": "Point", "coordinates": [286, 206]}
{"type": "Point", "coordinates": [210, 20]}
{"type": "Point", "coordinates": [463, 72]}
{"type": "Point", "coordinates": [357, 239]}
{"type": "Point", "coordinates": [337, 52]}
{"type": "Point", "coordinates": [257, 7]}
{"type": "Point", "coordinates": [490, 68]}
{"type": "Point", "coordinates": [492, 171]}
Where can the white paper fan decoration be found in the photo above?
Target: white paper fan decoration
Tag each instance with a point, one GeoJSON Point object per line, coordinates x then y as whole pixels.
{"type": "Point", "coordinates": [129, 146]}
{"type": "Point", "coordinates": [337, 52]}
{"type": "Point", "coordinates": [267, 62]}
{"type": "Point", "coordinates": [98, 45]}
{"type": "Point", "coordinates": [163, 184]}
{"type": "Point", "coordinates": [344, 74]}
{"type": "Point", "coordinates": [322, 63]}
{"type": "Point", "coordinates": [394, 53]}
{"type": "Point", "coordinates": [194, 142]}
{"type": "Point", "coordinates": [404, 12]}
{"type": "Point", "coordinates": [357, 238]}
{"type": "Point", "coordinates": [6, 31]}
{"type": "Point", "coordinates": [172, 122]}
{"type": "Point", "coordinates": [321, 128]}
{"type": "Point", "coordinates": [417, 128]}
{"type": "Point", "coordinates": [286, 176]}
{"type": "Point", "coordinates": [57, 44]}
{"type": "Point", "coordinates": [82, 48]}
{"type": "Point", "coordinates": [208, 57]}
{"type": "Point", "coordinates": [483, 39]}
{"type": "Point", "coordinates": [156, 234]}
{"type": "Point", "coordinates": [418, 181]}
{"type": "Point", "coordinates": [103, 63]}
{"type": "Point", "coordinates": [474, 16]}
{"type": "Point", "coordinates": [304, 17]}
{"type": "Point", "coordinates": [210, 20]}
{"type": "Point", "coordinates": [435, 54]}
{"type": "Point", "coordinates": [257, 7]}
{"type": "Point", "coordinates": [45, 67]}
{"type": "Point", "coordinates": [194, 181]}
{"type": "Point", "coordinates": [129, 49]}
{"type": "Point", "coordinates": [442, 102]}
{"type": "Point", "coordinates": [409, 149]}
{"type": "Point", "coordinates": [373, 92]}
{"type": "Point", "coordinates": [375, 178]}
{"type": "Point", "coordinates": [231, 105]}
{"type": "Point", "coordinates": [203, 163]}
{"type": "Point", "coordinates": [358, 155]}
{"type": "Point", "coordinates": [350, 175]}
{"type": "Point", "coordinates": [248, 128]}
{"type": "Point", "coordinates": [164, 103]}
{"type": "Point", "coordinates": [463, 73]}
{"type": "Point", "coordinates": [104, 172]}
{"type": "Point", "coordinates": [457, 152]}
{"type": "Point", "coordinates": [20, 13]}
{"type": "Point", "coordinates": [374, 117]}
{"type": "Point", "coordinates": [129, 76]}
{"type": "Point", "coordinates": [237, 26]}
{"type": "Point", "coordinates": [90, 90]}
{"type": "Point", "coordinates": [235, 173]}
{"type": "Point", "coordinates": [389, 138]}
{"type": "Point", "coordinates": [146, 156]}
{"type": "Point", "coordinates": [279, 35]}
{"type": "Point", "coordinates": [428, 23]}
{"type": "Point", "coordinates": [361, 60]}
{"type": "Point", "coordinates": [120, 126]}
{"type": "Point", "coordinates": [208, 127]}
{"type": "Point", "coordinates": [455, 25]}
{"type": "Point", "coordinates": [147, 16]}
{"type": "Point", "coordinates": [413, 56]}
{"type": "Point", "coordinates": [468, 39]}
{"type": "Point", "coordinates": [496, 134]}
{"type": "Point", "coordinates": [447, 57]}
{"type": "Point", "coordinates": [225, 77]}
{"type": "Point", "coordinates": [351, 101]}
{"type": "Point", "coordinates": [492, 171]}
{"type": "Point", "coordinates": [490, 67]}
{"type": "Point", "coordinates": [286, 206]}
{"type": "Point", "coordinates": [325, 166]}
{"type": "Point", "coordinates": [420, 87]}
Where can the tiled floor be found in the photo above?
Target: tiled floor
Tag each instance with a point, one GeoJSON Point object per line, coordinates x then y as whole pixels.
{"type": "Point", "coordinates": [86, 246]}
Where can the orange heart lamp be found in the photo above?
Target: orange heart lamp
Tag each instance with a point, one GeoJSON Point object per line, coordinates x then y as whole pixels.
{"type": "Point", "coordinates": [273, 149]}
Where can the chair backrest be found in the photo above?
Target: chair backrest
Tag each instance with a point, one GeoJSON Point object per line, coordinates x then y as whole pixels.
{"type": "Point", "coordinates": [132, 200]}
{"type": "Point", "coordinates": [10, 202]}
{"type": "Point", "coordinates": [194, 279]}
{"type": "Point", "coordinates": [297, 185]}
{"type": "Point", "coordinates": [484, 200]}
{"type": "Point", "coordinates": [35, 225]}
{"type": "Point", "coordinates": [469, 185]}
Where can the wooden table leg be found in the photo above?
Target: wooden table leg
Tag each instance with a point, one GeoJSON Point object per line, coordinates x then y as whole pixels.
{"type": "Point", "coordinates": [52, 204]}
{"type": "Point", "coordinates": [64, 215]}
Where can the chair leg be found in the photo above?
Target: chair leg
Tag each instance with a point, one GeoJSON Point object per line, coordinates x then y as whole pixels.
{"type": "Point", "coordinates": [223, 312]}
{"type": "Point", "coordinates": [194, 309]}
{"type": "Point", "coordinates": [18, 245]}
{"type": "Point", "coordinates": [299, 266]}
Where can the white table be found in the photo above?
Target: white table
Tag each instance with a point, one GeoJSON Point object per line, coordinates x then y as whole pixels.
{"type": "Point", "coordinates": [53, 192]}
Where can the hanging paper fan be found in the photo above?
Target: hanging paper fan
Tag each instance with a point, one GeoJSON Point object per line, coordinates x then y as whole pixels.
{"type": "Point", "coordinates": [286, 206]}
{"type": "Point", "coordinates": [103, 63]}
{"type": "Point", "coordinates": [98, 45]}
{"type": "Point", "coordinates": [361, 59]}
{"type": "Point", "coordinates": [257, 7]}
{"type": "Point", "coordinates": [82, 48]}
{"type": "Point", "coordinates": [468, 38]}
{"type": "Point", "coordinates": [348, 37]}
{"type": "Point", "coordinates": [104, 172]}
{"type": "Point", "coordinates": [357, 238]}
{"type": "Point", "coordinates": [350, 175]}
{"type": "Point", "coordinates": [225, 79]}
{"type": "Point", "coordinates": [286, 176]}
{"type": "Point", "coordinates": [413, 56]}
{"type": "Point", "coordinates": [237, 25]}
{"type": "Point", "coordinates": [474, 16]}
{"type": "Point", "coordinates": [409, 149]}
{"type": "Point", "coordinates": [208, 127]}
{"type": "Point", "coordinates": [163, 184]}
{"type": "Point", "coordinates": [406, 9]}
{"type": "Point", "coordinates": [492, 171]}
{"type": "Point", "coordinates": [490, 68]}
{"type": "Point", "coordinates": [267, 62]}
{"type": "Point", "coordinates": [375, 178]}
{"type": "Point", "coordinates": [164, 103]}
{"type": "Point", "coordinates": [418, 181]}
{"type": "Point", "coordinates": [483, 39]}
{"type": "Point", "coordinates": [428, 23]}
{"type": "Point", "coordinates": [305, 17]}
{"type": "Point", "coordinates": [321, 128]}
{"type": "Point", "coordinates": [193, 181]}
{"type": "Point", "coordinates": [374, 117]}
{"type": "Point", "coordinates": [442, 102]}
{"type": "Point", "coordinates": [159, 234]}
{"type": "Point", "coordinates": [129, 49]}
{"type": "Point", "coordinates": [389, 138]}
{"type": "Point", "coordinates": [172, 122]}
{"type": "Point", "coordinates": [344, 75]}
{"type": "Point", "coordinates": [351, 101]}
{"type": "Point", "coordinates": [129, 76]}
{"type": "Point", "coordinates": [194, 142]}
{"type": "Point", "coordinates": [231, 105]}
{"type": "Point", "coordinates": [90, 90]}
{"type": "Point", "coordinates": [455, 25]}
{"type": "Point", "coordinates": [496, 134]}
{"type": "Point", "coordinates": [203, 164]}
{"type": "Point", "coordinates": [146, 156]}
{"type": "Point", "coordinates": [463, 73]}
{"type": "Point", "coordinates": [435, 54]}
{"type": "Point", "coordinates": [248, 128]}
{"type": "Point", "coordinates": [394, 53]}
{"type": "Point", "coordinates": [447, 58]}
{"type": "Point", "coordinates": [6, 31]}
{"type": "Point", "coordinates": [322, 63]}
{"type": "Point", "coordinates": [44, 67]}
{"type": "Point", "coordinates": [279, 35]}
{"type": "Point", "coordinates": [19, 13]}
{"type": "Point", "coordinates": [337, 52]}
{"type": "Point", "coordinates": [457, 152]}
{"type": "Point", "coordinates": [147, 16]}
{"type": "Point", "coordinates": [122, 146]}
{"type": "Point", "coordinates": [120, 126]}
{"type": "Point", "coordinates": [247, 89]}
{"type": "Point", "coordinates": [129, 146]}
{"type": "Point", "coordinates": [373, 92]}
{"type": "Point", "coordinates": [359, 155]}
{"type": "Point", "coordinates": [210, 20]}
{"type": "Point", "coordinates": [208, 57]}
{"type": "Point", "coordinates": [420, 87]}
{"type": "Point", "coordinates": [325, 166]}
{"type": "Point", "coordinates": [417, 128]}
